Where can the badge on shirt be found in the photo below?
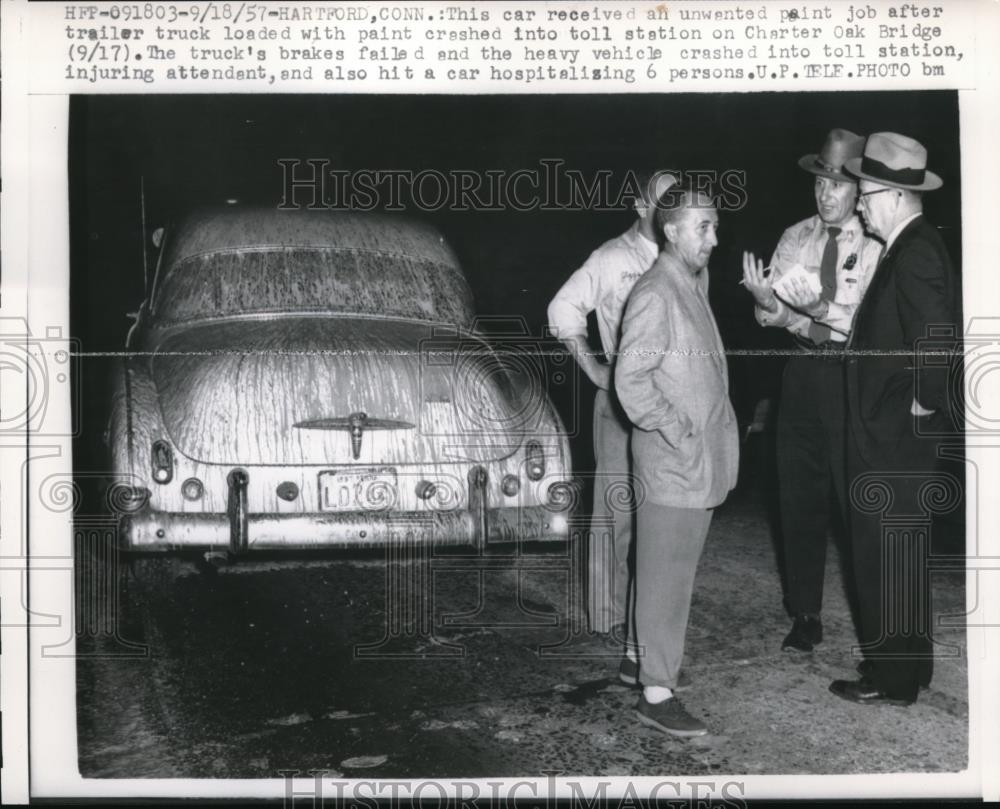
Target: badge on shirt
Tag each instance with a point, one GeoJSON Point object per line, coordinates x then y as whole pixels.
{"type": "Point", "coordinates": [852, 259]}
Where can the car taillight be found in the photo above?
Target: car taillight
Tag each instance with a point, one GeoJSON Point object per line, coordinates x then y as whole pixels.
{"type": "Point", "coordinates": [562, 496]}
{"type": "Point", "coordinates": [163, 462]}
{"type": "Point", "coordinates": [126, 498]}
{"type": "Point", "coordinates": [192, 489]}
{"type": "Point", "coordinates": [425, 489]}
{"type": "Point", "coordinates": [536, 460]}
{"type": "Point", "coordinates": [510, 485]}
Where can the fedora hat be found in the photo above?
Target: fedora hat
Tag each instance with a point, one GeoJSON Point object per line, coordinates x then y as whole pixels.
{"type": "Point", "coordinates": [839, 147]}
{"type": "Point", "coordinates": [894, 160]}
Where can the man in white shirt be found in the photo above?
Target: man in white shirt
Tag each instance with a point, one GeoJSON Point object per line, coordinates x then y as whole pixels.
{"type": "Point", "coordinates": [833, 252]}
{"type": "Point", "coordinates": [602, 286]}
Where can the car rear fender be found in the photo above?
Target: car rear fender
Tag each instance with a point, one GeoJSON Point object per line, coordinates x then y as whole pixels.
{"type": "Point", "coordinates": [135, 422]}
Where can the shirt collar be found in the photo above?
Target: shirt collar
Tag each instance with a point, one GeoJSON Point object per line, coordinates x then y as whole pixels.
{"type": "Point", "coordinates": [850, 228]}
{"type": "Point", "coordinates": [647, 246]}
{"type": "Point", "coordinates": [899, 229]}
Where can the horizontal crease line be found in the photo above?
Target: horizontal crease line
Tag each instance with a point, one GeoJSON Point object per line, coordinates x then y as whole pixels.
{"type": "Point", "coordinates": [509, 352]}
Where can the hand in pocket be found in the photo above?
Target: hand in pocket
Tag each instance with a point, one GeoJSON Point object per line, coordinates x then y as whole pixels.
{"type": "Point", "coordinates": [690, 435]}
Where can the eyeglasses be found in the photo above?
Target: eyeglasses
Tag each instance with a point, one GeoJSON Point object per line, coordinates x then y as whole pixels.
{"type": "Point", "coordinates": [864, 194]}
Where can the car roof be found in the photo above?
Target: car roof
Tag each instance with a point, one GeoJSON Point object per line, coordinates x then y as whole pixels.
{"type": "Point", "coordinates": [237, 227]}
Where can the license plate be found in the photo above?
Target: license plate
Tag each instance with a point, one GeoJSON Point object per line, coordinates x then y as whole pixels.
{"type": "Point", "coordinates": [358, 489]}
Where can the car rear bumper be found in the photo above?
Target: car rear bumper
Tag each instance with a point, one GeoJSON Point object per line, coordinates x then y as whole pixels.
{"type": "Point", "coordinates": [150, 530]}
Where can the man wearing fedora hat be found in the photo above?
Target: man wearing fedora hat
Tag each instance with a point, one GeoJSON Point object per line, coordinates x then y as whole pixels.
{"type": "Point", "coordinates": [896, 404]}
{"type": "Point", "coordinates": [831, 248]}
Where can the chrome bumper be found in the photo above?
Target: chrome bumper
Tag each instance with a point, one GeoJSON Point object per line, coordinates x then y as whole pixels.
{"type": "Point", "coordinates": [150, 530]}
{"type": "Point", "coordinates": [239, 532]}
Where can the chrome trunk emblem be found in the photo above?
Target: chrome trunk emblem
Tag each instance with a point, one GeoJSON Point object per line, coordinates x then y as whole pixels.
{"type": "Point", "coordinates": [356, 424]}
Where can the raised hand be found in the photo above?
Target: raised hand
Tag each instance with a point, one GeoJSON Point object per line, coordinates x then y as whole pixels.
{"type": "Point", "coordinates": [758, 280]}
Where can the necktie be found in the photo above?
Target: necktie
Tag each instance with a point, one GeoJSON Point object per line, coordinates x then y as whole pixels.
{"type": "Point", "coordinates": [819, 333]}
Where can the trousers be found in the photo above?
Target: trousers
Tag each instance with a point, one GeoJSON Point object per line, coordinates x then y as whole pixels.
{"type": "Point", "coordinates": [811, 460]}
{"type": "Point", "coordinates": [891, 514]}
{"type": "Point", "coordinates": [669, 542]}
{"type": "Point", "coordinates": [609, 582]}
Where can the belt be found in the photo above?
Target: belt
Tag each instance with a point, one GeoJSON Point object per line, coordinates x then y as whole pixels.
{"type": "Point", "coordinates": [830, 350]}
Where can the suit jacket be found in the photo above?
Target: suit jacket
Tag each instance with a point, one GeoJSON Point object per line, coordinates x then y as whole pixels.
{"type": "Point", "coordinates": [914, 288]}
{"type": "Point", "coordinates": [672, 382]}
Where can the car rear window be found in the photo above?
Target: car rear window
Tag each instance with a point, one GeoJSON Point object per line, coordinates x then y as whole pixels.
{"type": "Point", "coordinates": [288, 280]}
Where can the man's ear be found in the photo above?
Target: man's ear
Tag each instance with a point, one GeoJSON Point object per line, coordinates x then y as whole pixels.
{"type": "Point", "coordinates": [670, 232]}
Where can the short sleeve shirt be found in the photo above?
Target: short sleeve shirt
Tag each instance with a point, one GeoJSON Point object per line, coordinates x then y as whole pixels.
{"type": "Point", "coordinates": [602, 285]}
{"type": "Point", "coordinates": [803, 243]}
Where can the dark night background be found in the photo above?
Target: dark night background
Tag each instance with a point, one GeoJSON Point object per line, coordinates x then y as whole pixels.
{"type": "Point", "coordinates": [195, 149]}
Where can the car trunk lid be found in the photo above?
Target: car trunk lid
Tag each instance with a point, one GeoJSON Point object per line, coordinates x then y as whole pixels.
{"type": "Point", "coordinates": [345, 391]}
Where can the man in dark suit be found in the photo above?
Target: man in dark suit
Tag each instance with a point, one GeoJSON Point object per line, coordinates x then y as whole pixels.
{"type": "Point", "coordinates": [897, 401]}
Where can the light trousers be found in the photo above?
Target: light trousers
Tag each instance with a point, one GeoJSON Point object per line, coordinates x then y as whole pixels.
{"type": "Point", "coordinates": [669, 542]}
{"type": "Point", "coordinates": [612, 518]}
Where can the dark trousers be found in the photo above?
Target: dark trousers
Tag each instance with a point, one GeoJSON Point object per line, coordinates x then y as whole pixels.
{"type": "Point", "coordinates": [892, 504]}
{"type": "Point", "coordinates": [810, 455]}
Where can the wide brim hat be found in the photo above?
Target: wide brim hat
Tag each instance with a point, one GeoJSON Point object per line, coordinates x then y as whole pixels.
{"type": "Point", "coordinates": [840, 146]}
{"type": "Point", "coordinates": [896, 161]}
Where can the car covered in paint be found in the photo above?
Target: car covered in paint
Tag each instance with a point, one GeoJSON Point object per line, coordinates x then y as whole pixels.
{"type": "Point", "coordinates": [313, 379]}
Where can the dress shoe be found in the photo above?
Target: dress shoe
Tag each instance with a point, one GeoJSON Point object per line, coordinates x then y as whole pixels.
{"type": "Point", "coordinates": [864, 692]}
{"type": "Point", "coordinates": [865, 668]}
{"type": "Point", "coordinates": [807, 631]}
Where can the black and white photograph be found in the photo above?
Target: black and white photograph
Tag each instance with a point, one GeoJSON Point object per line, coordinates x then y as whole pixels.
{"type": "Point", "coordinates": [494, 436]}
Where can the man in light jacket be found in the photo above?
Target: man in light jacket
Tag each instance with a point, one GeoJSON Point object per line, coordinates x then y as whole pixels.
{"type": "Point", "coordinates": [671, 379]}
{"type": "Point", "coordinates": [602, 286]}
